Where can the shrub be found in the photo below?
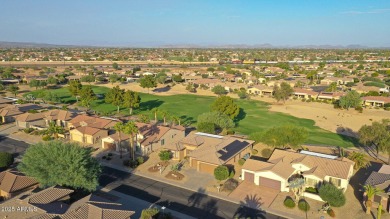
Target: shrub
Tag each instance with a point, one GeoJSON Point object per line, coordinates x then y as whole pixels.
{"type": "Point", "coordinates": [230, 185]}
{"type": "Point", "coordinates": [331, 213]}
{"type": "Point", "coordinates": [221, 172]}
{"type": "Point", "coordinates": [28, 130]}
{"type": "Point", "coordinates": [164, 155]}
{"type": "Point", "coordinates": [303, 100]}
{"type": "Point", "coordinates": [206, 127]}
{"type": "Point", "coordinates": [289, 203]}
{"type": "Point", "coordinates": [47, 138]}
{"type": "Point", "coordinates": [303, 205]}
{"type": "Point", "coordinates": [109, 154]}
{"type": "Point", "coordinates": [149, 213]}
{"type": "Point", "coordinates": [140, 160]}
{"type": "Point", "coordinates": [6, 159]}
{"type": "Point", "coordinates": [387, 105]}
{"type": "Point", "coordinates": [359, 109]}
{"type": "Point", "coordinates": [311, 190]}
{"type": "Point", "coordinates": [331, 194]}
{"type": "Point", "coordinates": [241, 161]}
{"type": "Point", "coordinates": [266, 152]}
{"type": "Point", "coordinates": [256, 136]}
{"type": "Point", "coordinates": [254, 151]}
{"type": "Point", "coordinates": [231, 174]}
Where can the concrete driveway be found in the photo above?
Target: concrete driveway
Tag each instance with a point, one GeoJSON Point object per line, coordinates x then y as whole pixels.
{"type": "Point", "coordinates": [254, 196]}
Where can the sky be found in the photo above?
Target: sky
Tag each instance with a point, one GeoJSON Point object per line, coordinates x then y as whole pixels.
{"type": "Point", "coordinates": [196, 22]}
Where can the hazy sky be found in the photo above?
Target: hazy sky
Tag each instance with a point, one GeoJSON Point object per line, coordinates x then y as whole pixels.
{"type": "Point", "coordinates": [204, 22]}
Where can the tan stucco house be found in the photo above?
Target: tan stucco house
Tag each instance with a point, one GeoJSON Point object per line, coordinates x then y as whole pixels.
{"type": "Point", "coordinates": [13, 183]}
{"type": "Point", "coordinates": [285, 165]}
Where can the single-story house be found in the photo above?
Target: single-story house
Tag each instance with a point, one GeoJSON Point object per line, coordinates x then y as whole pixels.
{"type": "Point", "coordinates": [87, 134]}
{"type": "Point", "coordinates": [378, 101]}
{"type": "Point", "coordinates": [9, 112]}
{"type": "Point", "coordinates": [92, 121]}
{"type": "Point", "coordinates": [28, 120]}
{"type": "Point", "coordinates": [13, 183]}
{"type": "Point", "coordinates": [60, 117]}
{"type": "Point", "coordinates": [304, 93]}
{"type": "Point", "coordinates": [330, 95]}
{"type": "Point", "coordinates": [381, 180]}
{"type": "Point", "coordinates": [261, 90]}
{"type": "Point", "coordinates": [285, 165]}
{"type": "Point", "coordinates": [207, 151]}
{"type": "Point", "coordinates": [112, 142]}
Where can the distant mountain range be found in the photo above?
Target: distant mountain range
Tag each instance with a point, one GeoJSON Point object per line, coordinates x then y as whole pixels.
{"type": "Point", "coordinates": [4, 44]}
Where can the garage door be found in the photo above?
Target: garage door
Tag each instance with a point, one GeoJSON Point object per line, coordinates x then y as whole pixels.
{"type": "Point", "coordinates": [249, 177]}
{"type": "Point", "coordinates": [275, 184]}
{"type": "Point", "coordinates": [206, 168]}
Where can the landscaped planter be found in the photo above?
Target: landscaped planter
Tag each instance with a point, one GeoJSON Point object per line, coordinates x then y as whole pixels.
{"type": "Point", "coordinates": [312, 196]}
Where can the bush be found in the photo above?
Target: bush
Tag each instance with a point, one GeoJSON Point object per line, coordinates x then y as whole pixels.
{"type": "Point", "coordinates": [221, 172]}
{"type": "Point", "coordinates": [311, 190]}
{"type": "Point", "coordinates": [206, 127]}
{"type": "Point", "coordinates": [140, 160]}
{"type": "Point", "coordinates": [241, 161]}
{"type": "Point", "coordinates": [331, 213]}
{"type": "Point", "coordinates": [164, 155]}
{"type": "Point", "coordinates": [266, 152]}
{"type": "Point", "coordinates": [289, 203]}
{"type": "Point", "coordinates": [6, 159]}
{"type": "Point", "coordinates": [254, 151]}
{"type": "Point", "coordinates": [230, 185]}
{"type": "Point", "coordinates": [359, 109]}
{"type": "Point", "coordinates": [256, 136]}
{"type": "Point", "coordinates": [303, 205]}
{"type": "Point", "coordinates": [28, 130]}
{"type": "Point", "coordinates": [331, 194]}
{"type": "Point", "coordinates": [47, 138]}
{"type": "Point", "coordinates": [231, 174]}
{"type": "Point", "coordinates": [149, 213]}
{"type": "Point", "coordinates": [109, 154]}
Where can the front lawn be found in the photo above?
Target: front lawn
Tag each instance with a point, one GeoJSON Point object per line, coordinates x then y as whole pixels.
{"type": "Point", "coordinates": [254, 116]}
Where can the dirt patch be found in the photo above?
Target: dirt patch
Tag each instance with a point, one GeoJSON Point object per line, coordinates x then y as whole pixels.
{"type": "Point", "coordinates": [158, 166]}
{"type": "Point", "coordinates": [174, 175]}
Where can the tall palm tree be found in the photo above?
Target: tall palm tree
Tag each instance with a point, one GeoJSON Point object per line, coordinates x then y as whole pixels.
{"type": "Point", "coordinates": [131, 129]}
{"type": "Point", "coordinates": [165, 114]}
{"type": "Point", "coordinates": [359, 159]}
{"type": "Point", "coordinates": [119, 127]}
{"type": "Point", "coordinates": [54, 129]}
{"type": "Point", "coordinates": [370, 192]}
{"type": "Point", "coordinates": [155, 111]}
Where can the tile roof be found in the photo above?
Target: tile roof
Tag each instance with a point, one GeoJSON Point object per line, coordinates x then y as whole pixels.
{"type": "Point", "coordinates": [376, 179]}
{"type": "Point", "coordinates": [57, 114]}
{"type": "Point", "coordinates": [377, 99]}
{"type": "Point", "coordinates": [86, 130]}
{"type": "Point", "coordinates": [151, 133]}
{"type": "Point", "coordinates": [28, 117]}
{"type": "Point", "coordinates": [304, 91]}
{"type": "Point", "coordinates": [13, 181]}
{"type": "Point", "coordinates": [215, 150]}
{"type": "Point", "coordinates": [91, 121]}
{"type": "Point", "coordinates": [49, 195]}
{"type": "Point", "coordinates": [281, 162]}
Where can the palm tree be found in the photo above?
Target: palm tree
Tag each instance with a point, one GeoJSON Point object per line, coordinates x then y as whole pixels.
{"type": "Point", "coordinates": [296, 186]}
{"type": "Point", "coordinates": [119, 127]}
{"type": "Point", "coordinates": [54, 129]}
{"type": "Point", "coordinates": [165, 114]}
{"type": "Point", "coordinates": [155, 110]}
{"type": "Point", "coordinates": [359, 159]}
{"type": "Point", "coordinates": [131, 129]}
{"type": "Point", "coordinates": [370, 192]}
{"type": "Point", "coordinates": [175, 119]}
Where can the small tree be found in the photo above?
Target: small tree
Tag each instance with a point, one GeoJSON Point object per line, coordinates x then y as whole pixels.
{"type": "Point", "coordinates": [54, 129]}
{"type": "Point", "coordinates": [177, 78]}
{"type": "Point", "coordinates": [226, 105]}
{"type": "Point", "coordinates": [283, 92]}
{"type": "Point", "coordinates": [360, 160]}
{"type": "Point", "coordinates": [75, 88]}
{"type": "Point", "coordinates": [331, 194]}
{"type": "Point", "coordinates": [87, 96]}
{"type": "Point", "coordinates": [350, 100]}
{"type": "Point", "coordinates": [131, 100]}
{"type": "Point", "coordinates": [34, 83]}
{"type": "Point", "coordinates": [370, 192]}
{"type": "Point", "coordinates": [13, 89]}
{"type": "Point", "coordinates": [149, 213]}
{"type": "Point", "coordinates": [164, 155]}
{"type": "Point", "coordinates": [221, 173]}
{"type": "Point", "coordinates": [219, 90]}
{"type": "Point", "coordinates": [6, 159]}
{"type": "Point", "coordinates": [148, 82]}
{"type": "Point", "coordinates": [284, 136]}
{"type": "Point", "coordinates": [206, 127]}
{"type": "Point", "coordinates": [115, 97]}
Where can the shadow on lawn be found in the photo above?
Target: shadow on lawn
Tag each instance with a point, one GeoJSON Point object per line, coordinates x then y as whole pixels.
{"type": "Point", "coordinates": [150, 104]}
{"type": "Point", "coordinates": [241, 115]}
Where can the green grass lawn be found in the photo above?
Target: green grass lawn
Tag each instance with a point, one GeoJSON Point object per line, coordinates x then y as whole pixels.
{"type": "Point", "coordinates": [254, 117]}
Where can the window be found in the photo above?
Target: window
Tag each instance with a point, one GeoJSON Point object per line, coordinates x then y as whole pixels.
{"type": "Point", "coordinates": [162, 141]}
{"type": "Point", "coordinates": [335, 181]}
{"type": "Point", "coordinates": [311, 182]}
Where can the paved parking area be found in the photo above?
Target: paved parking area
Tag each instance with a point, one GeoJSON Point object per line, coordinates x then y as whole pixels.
{"type": "Point", "coordinates": [253, 195]}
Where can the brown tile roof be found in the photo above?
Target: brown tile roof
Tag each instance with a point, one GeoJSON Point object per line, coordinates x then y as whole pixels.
{"type": "Point", "coordinates": [13, 181]}
{"type": "Point", "coordinates": [28, 117]}
{"type": "Point", "coordinates": [91, 121]}
{"type": "Point", "coordinates": [377, 99]}
{"type": "Point", "coordinates": [49, 195]}
{"type": "Point", "coordinates": [123, 136]}
{"type": "Point", "coordinates": [59, 115]}
{"type": "Point", "coordinates": [151, 133]}
{"type": "Point", "coordinates": [215, 150]}
{"type": "Point", "coordinates": [304, 91]}
{"type": "Point", "coordinates": [86, 130]}
{"type": "Point", "coordinates": [283, 160]}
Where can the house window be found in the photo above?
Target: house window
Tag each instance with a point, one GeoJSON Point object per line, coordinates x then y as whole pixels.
{"type": "Point", "coordinates": [335, 181]}
{"type": "Point", "coordinates": [162, 141]}
{"type": "Point", "coordinates": [311, 182]}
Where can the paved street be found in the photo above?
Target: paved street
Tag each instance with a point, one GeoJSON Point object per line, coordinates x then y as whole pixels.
{"type": "Point", "coordinates": [12, 146]}
{"type": "Point", "coordinates": [191, 203]}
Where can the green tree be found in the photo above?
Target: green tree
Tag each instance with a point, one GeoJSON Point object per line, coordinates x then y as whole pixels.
{"type": "Point", "coordinates": [164, 114]}
{"type": "Point", "coordinates": [34, 83]}
{"type": "Point", "coordinates": [52, 80]}
{"type": "Point", "coordinates": [131, 100]}
{"type": "Point", "coordinates": [54, 129]}
{"type": "Point", "coordinates": [219, 90]}
{"type": "Point", "coordinates": [115, 66]}
{"type": "Point", "coordinates": [131, 129]}
{"type": "Point", "coordinates": [226, 105]}
{"type": "Point", "coordinates": [221, 173]}
{"type": "Point", "coordinates": [161, 77]}
{"type": "Point", "coordinates": [75, 88]}
{"type": "Point", "coordinates": [332, 87]}
{"type": "Point", "coordinates": [177, 78]}
{"type": "Point", "coordinates": [113, 78]}
{"type": "Point", "coordinates": [87, 96]}
{"type": "Point", "coordinates": [59, 163]}
{"type": "Point", "coordinates": [207, 127]}
{"type": "Point", "coordinates": [370, 192]}
{"type": "Point", "coordinates": [13, 89]}
{"type": "Point", "coordinates": [219, 119]}
{"type": "Point", "coordinates": [285, 136]}
{"type": "Point", "coordinates": [211, 69]}
{"type": "Point", "coordinates": [6, 159]}
{"type": "Point", "coordinates": [360, 160]}
{"type": "Point", "coordinates": [149, 213]}
{"type": "Point", "coordinates": [351, 99]}
{"type": "Point", "coordinates": [148, 82]}
{"type": "Point", "coordinates": [155, 111]}
{"type": "Point", "coordinates": [191, 88]}
{"type": "Point", "coordinates": [164, 155]}
{"type": "Point", "coordinates": [377, 134]}
{"type": "Point", "coordinates": [119, 128]}
{"type": "Point", "coordinates": [331, 194]}
{"type": "Point", "coordinates": [283, 92]}
{"type": "Point", "coordinates": [88, 78]}
{"type": "Point", "coordinates": [115, 96]}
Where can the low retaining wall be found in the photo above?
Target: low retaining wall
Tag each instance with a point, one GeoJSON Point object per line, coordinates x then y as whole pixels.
{"type": "Point", "coordinates": [312, 196]}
